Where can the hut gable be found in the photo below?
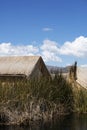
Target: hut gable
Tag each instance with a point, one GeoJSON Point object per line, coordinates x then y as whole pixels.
{"type": "Point", "coordinates": [40, 69]}
{"type": "Point", "coordinates": [29, 66]}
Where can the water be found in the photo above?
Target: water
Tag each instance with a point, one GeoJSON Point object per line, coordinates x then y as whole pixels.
{"type": "Point", "coordinates": [72, 122]}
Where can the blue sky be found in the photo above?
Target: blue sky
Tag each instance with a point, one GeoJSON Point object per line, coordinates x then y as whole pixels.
{"type": "Point", "coordinates": [54, 29]}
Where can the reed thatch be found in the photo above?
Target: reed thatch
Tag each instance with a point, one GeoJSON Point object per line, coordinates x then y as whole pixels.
{"type": "Point", "coordinates": [29, 66]}
{"type": "Point", "coordinates": [82, 76]}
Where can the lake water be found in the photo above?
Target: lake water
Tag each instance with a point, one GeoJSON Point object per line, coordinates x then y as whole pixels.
{"type": "Point", "coordinates": [72, 122]}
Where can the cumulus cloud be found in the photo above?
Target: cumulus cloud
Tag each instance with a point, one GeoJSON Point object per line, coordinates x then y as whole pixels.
{"type": "Point", "coordinates": [84, 65]}
{"type": "Point", "coordinates": [50, 50]}
{"type": "Point", "coordinates": [50, 56]}
{"type": "Point", "coordinates": [47, 29]}
{"type": "Point", "coordinates": [76, 48]}
{"type": "Point", "coordinates": [49, 45]}
{"type": "Point", "coordinates": [9, 49]}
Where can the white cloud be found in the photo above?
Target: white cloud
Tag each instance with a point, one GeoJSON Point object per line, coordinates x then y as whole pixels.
{"type": "Point", "coordinates": [50, 51]}
{"type": "Point", "coordinates": [9, 49]}
{"type": "Point", "coordinates": [50, 56]}
{"type": "Point", "coordinates": [84, 65]}
{"type": "Point", "coordinates": [47, 29]}
{"type": "Point", "coordinates": [50, 46]}
{"type": "Point", "coordinates": [76, 48]}
{"type": "Point", "coordinates": [4, 48]}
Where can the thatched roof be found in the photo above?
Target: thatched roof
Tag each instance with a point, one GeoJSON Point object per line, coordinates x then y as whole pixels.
{"type": "Point", "coordinates": [82, 76]}
{"type": "Point", "coordinates": [18, 65]}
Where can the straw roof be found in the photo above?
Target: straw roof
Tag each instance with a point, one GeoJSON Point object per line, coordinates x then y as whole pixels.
{"type": "Point", "coordinates": [82, 76]}
{"type": "Point", "coordinates": [18, 65]}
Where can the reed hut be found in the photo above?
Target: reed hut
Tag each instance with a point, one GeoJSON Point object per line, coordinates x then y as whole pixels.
{"type": "Point", "coordinates": [22, 67]}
